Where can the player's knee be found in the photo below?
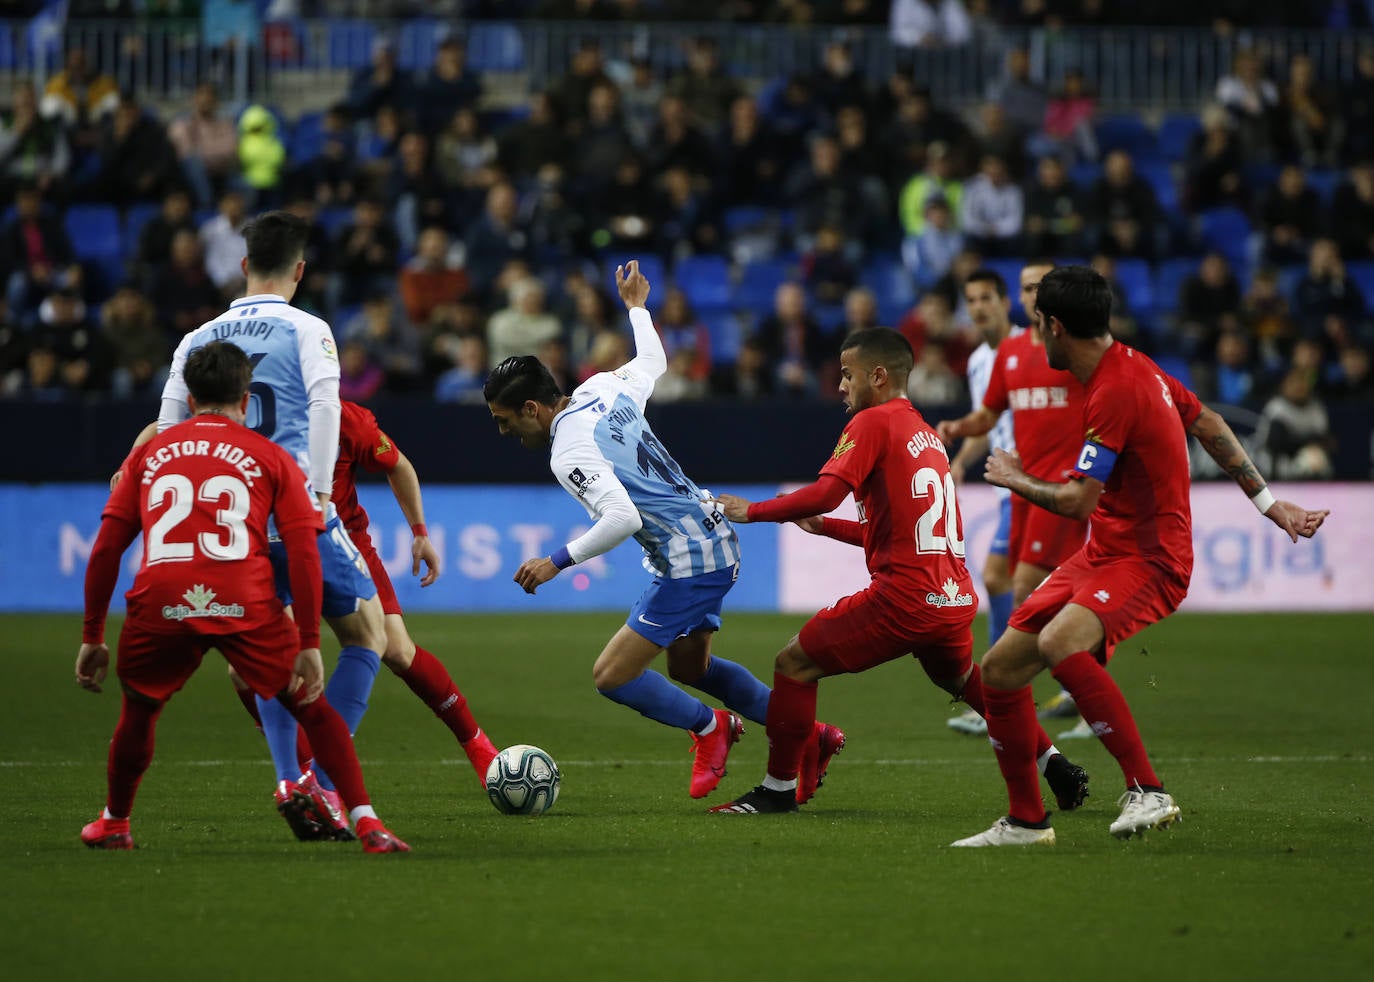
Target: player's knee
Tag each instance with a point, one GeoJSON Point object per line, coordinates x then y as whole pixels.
{"type": "Point", "coordinates": [400, 651]}
{"type": "Point", "coordinates": [608, 675]}
{"type": "Point", "coordinates": [795, 664]}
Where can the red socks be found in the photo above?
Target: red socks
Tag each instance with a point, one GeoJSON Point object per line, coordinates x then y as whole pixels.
{"type": "Point", "coordinates": [334, 749]}
{"type": "Point", "coordinates": [429, 680]}
{"type": "Point", "coordinates": [973, 697]}
{"type": "Point", "coordinates": [791, 718]}
{"type": "Point", "coordinates": [1012, 729]}
{"type": "Point", "coordinates": [131, 751]}
{"type": "Point", "coordinates": [1104, 707]}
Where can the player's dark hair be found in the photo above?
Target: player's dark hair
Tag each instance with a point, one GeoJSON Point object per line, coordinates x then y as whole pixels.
{"type": "Point", "coordinates": [519, 379]}
{"type": "Point", "coordinates": [883, 346]}
{"type": "Point", "coordinates": [1079, 298]}
{"type": "Point", "coordinates": [218, 374]}
{"type": "Point", "coordinates": [276, 242]}
{"type": "Point", "coordinates": [985, 275]}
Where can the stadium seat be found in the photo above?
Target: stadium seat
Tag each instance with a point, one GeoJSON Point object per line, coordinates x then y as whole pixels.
{"type": "Point", "coordinates": [307, 138]}
{"type": "Point", "coordinates": [97, 239]}
{"type": "Point", "coordinates": [134, 219]}
{"type": "Point", "coordinates": [1324, 182]}
{"type": "Point", "coordinates": [759, 280]}
{"type": "Point", "coordinates": [726, 333]}
{"type": "Point", "coordinates": [350, 43]}
{"type": "Point", "coordinates": [1169, 278]}
{"type": "Point", "coordinates": [1362, 275]}
{"type": "Point", "coordinates": [705, 280]}
{"type": "Point", "coordinates": [746, 218]}
{"type": "Point", "coordinates": [1177, 366]}
{"type": "Point", "coordinates": [8, 61]}
{"type": "Point", "coordinates": [334, 218]}
{"type": "Point", "coordinates": [1226, 230]}
{"type": "Point", "coordinates": [1159, 174]}
{"type": "Point", "coordinates": [1010, 270]}
{"type": "Point", "coordinates": [1137, 283]}
{"type": "Point", "coordinates": [890, 282]}
{"type": "Point", "coordinates": [1176, 134]}
{"type": "Point", "coordinates": [495, 48]}
{"type": "Point", "coordinates": [649, 264]}
{"type": "Point", "coordinates": [1127, 133]}
{"type": "Point", "coordinates": [830, 316]}
{"type": "Point", "coordinates": [1083, 176]}
{"type": "Point", "coordinates": [416, 45]}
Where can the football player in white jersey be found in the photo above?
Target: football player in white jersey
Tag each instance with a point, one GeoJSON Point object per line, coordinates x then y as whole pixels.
{"type": "Point", "coordinates": [295, 403]}
{"type": "Point", "coordinates": [603, 453]}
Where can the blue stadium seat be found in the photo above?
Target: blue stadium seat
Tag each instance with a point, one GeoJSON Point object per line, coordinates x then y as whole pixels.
{"type": "Point", "coordinates": [307, 138]}
{"type": "Point", "coordinates": [726, 333]}
{"type": "Point", "coordinates": [649, 264]}
{"type": "Point", "coordinates": [1159, 175]}
{"type": "Point", "coordinates": [705, 280]}
{"type": "Point", "coordinates": [1137, 283]}
{"type": "Point", "coordinates": [8, 61]}
{"type": "Point", "coordinates": [890, 282]}
{"type": "Point", "coordinates": [334, 218]}
{"type": "Point", "coordinates": [495, 48]}
{"type": "Point", "coordinates": [1127, 133]}
{"type": "Point", "coordinates": [416, 45]}
{"type": "Point", "coordinates": [350, 43]}
{"type": "Point", "coordinates": [1083, 176]}
{"type": "Point", "coordinates": [1226, 230]}
{"type": "Point", "coordinates": [1176, 134]}
{"type": "Point", "coordinates": [830, 316]}
{"type": "Point", "coordinates": [1177, 366]}
{"type": "Point", "coordinates": [745, 218]}
{"type": "Point", "coordinates": [1324, 182]}
{"type": "Point", "coordinates": [134, 219]}
{"type": "Point", "coordinates": [1169, 278]}
{"type": "Point", "coordinates": [1010, 270]}
{"type": "Point", "coordinates": [97, 240]}
{"type": "Point", "coordinates": [759, 280]}
{"type": "Point", "coordinates": [1362, 274]}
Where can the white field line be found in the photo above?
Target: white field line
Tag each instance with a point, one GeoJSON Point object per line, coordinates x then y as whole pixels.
{"type": "Point", "coordinates": [99, 761]}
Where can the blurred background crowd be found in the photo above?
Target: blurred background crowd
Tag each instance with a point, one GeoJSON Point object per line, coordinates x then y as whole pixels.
{"type": "Point", "coordinates": [457, 220]}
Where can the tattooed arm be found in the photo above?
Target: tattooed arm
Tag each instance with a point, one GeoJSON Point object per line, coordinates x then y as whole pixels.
{"type": "Point", "coordinates": [1222, 445]}
{"type": "Point", "coordinates": [1073, 499]}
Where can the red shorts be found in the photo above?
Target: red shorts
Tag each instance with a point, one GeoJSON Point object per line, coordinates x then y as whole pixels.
{"type": "Point", "coordinates": [866, 629]}
{"type": "Point", "coordinates": [386, 593]}
{"type": "Point", "coordinates": [156, 660]}
{"type": "Point", "coordinates": [1126, 595]}
{"type": "Point", "coordinates": [1042, 538]}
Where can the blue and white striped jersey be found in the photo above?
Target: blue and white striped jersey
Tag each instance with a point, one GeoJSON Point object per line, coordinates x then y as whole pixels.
{"type": "Point", "coordinates": [603, 447]}
{"type": "Point", "coordinates": [291, 351]}
{"type": "Point", "coordinates": [979, 372]}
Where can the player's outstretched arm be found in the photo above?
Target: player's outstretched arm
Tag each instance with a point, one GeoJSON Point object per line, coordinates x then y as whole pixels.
{"type": "Point", "coordinates": [650, 358]}
{"type": "Point", "coordinates": [1223, 446]}
{"type": "Point", "coordinates": [976, 423]}
{"type": "Point", "coordinates": [824, 495]}
{"type": "Point", "coordinates": [1075, 499]}
{"type": "Point", "coordinates": [405, 486]}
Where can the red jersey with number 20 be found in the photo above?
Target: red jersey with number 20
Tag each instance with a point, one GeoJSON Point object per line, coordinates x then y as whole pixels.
{"type": "Point", "coordinates": [913, 534]}
{"type": "Point", "coordinates": [1046, 406]}
{"type": "Point", "coordinates": [202, 492]}
{"type": "Point", "coordinates": [361, 444]}
{"type": "Point", "coordinates": [1135, 442]}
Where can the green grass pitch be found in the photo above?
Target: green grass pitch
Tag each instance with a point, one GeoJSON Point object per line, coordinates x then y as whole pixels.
{"type": "Point", "coordinates": [1260, 725]}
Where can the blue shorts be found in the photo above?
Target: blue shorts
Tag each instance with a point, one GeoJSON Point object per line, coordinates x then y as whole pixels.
{"type": "Point", "coordinates": [1001, 539]}
{"type": "Point", "coordinates": [346, 579]}
{"type": "Point", "coordinates": [669, 609]}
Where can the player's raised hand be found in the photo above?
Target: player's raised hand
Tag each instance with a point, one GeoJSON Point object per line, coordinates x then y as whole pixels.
{"type": "Point", "coordinates": [736, 508]}
{"type": "Point", "coordinates": [534, 573]}
{"type": "Point", "coordinates": [633, 287]}
{"type": "Point", "coordinates": [1002, 468]}
{"type": "Point", "coordinates": [422, 551]}
{"type": "Point", "coordinates": [307, 678]}
{"type": "Point", "coordinates": [92, 662]}
{"type": "Point", "coordinates": [1296, 520]}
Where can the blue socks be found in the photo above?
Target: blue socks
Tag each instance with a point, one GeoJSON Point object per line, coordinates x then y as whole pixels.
{"type": "Point", "coordinates": [348, 690]}
{"type": "Point", "coordinates": [658, 699]}
{"type": "Point", "coordinates": [735, 685]}
{"type": "Point", "coordinates": [999, 612]}
{"type": "Point", "coordinates": [279, 727]}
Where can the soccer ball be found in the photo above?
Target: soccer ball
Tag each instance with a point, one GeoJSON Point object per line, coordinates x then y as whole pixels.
{"type": "Point", "coordinates": [522, 780]}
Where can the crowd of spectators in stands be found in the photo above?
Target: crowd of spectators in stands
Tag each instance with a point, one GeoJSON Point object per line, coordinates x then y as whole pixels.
{"type": "Point", "coordinates": [449, 233]}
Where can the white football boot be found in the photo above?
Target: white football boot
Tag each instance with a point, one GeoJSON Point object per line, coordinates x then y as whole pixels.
{"type": "Point", "coordinates": [1145, 810]}
{"type": "Point", "coordinates": [1004, 833]}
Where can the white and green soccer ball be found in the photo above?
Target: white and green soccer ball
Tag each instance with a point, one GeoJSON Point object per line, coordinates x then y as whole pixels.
{"type": "Point", "coordinates": [522, 780]}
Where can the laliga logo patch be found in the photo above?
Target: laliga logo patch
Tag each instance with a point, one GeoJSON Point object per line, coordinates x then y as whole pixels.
{"type": "Point", "coordinates": [327, 345]}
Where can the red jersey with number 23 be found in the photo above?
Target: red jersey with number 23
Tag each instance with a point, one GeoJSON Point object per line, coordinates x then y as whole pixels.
{"type": "Point", "coordinates": [202, 492]}
{"type": "Point", "coordinates": [913, 534]}
{"type": "Point", "coordinates": [362, 444]}
{"type": "Point", "coordinates": [1135, 425]}
{"type": "Point", "coordinates": [1046, 406]}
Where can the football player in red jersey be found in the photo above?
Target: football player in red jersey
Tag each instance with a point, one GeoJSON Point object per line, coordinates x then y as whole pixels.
{"type": "Point", "coordinates": [1131, 479]}
{"type": "Point", "coordinates": [921, 599]}
{"type": "Point", "coordinates": [362, 443]}
{"type": "Point", "coordinates": [201, 493]}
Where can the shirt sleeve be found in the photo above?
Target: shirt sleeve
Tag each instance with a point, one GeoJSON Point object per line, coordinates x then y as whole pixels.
{"type": "Point", "coordinates": [639, 374]}
{"type": "Point", "coordinates": [1107, 424]}
{"type": "Point", "coordinates": [857, 453]}
{"type": "Point", "coordinates": [588, 476]}
{"type": "Point", "coordinates": [174, 391]}
{"type": "Point", "coordinates": [373, 450]}
{"type": "Point", "coordinates": [995, 397]}
{"type": "Point", "coordinates": [1185, 401]}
